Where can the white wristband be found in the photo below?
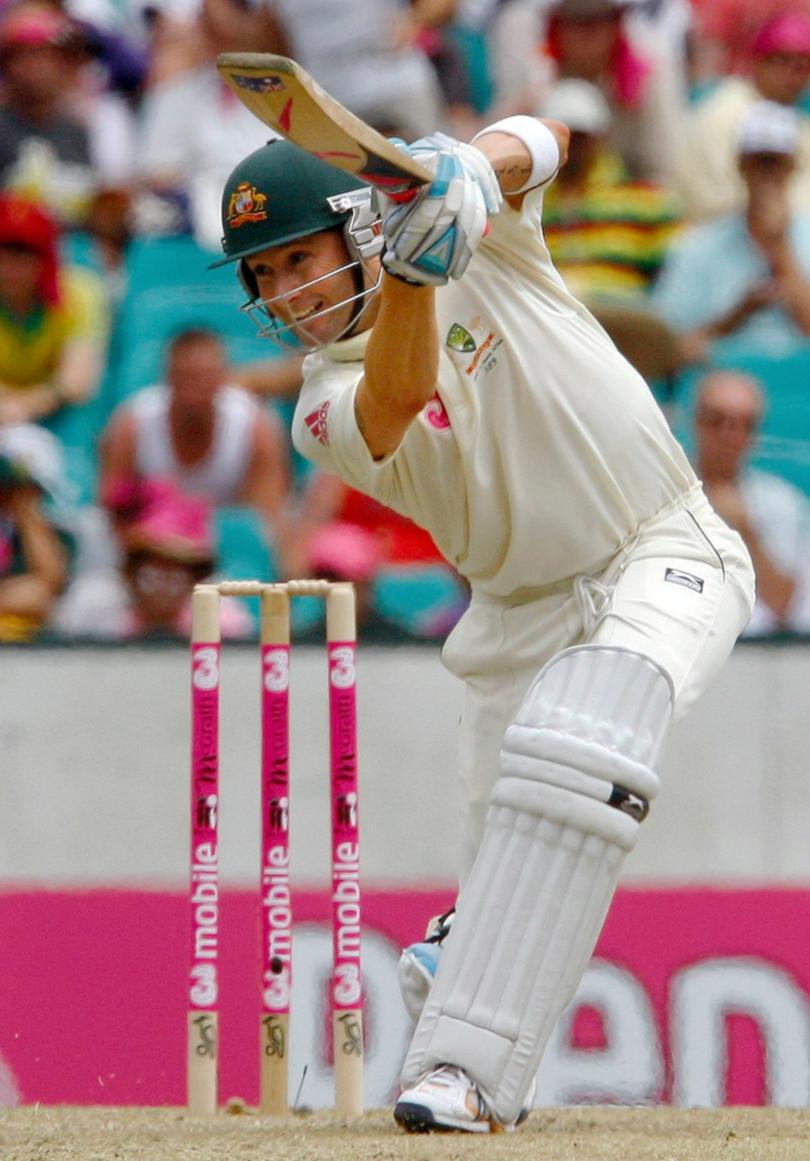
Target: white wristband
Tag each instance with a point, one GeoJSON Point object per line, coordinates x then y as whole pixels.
{"type": "Point", "coordinates": [540, 142]}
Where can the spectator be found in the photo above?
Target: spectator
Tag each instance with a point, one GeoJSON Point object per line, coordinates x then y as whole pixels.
{"type": "Point", "coordinates": [771, 515]}
{"type": "Point", "coordinates": [116, 38]}
{"type": "Point", "coordinates": [106, 241]}
{"type": "Point", "coordinates": [338, 532]}
{"type": "Point", "coordinates": [168, 547]}
{"type": "Point", "coordinates": [348, 552]}
{"type": "Point", "coordinates": [434, 27]}
{"type": "Point", "coordinates": [362, 52]}
{"type": "Point", "coordinates": [643, 85]}
{"type": "Point", "coordinates": [709, 182]}
{"type": "Point", "coordinates": [607, 233]}
{"type": "Point", "coordinates": [194, 129]}
{"type": "Point", "coordinates": [327, 499]}
{"type": "Point", "coordinates": [33, 555]}
{"type": "Point", "coordinates": [746, 275]}
{"type": "Point", "coordinates": [53, 320]}
{"type": "Point", "coordinates": [59, 139]}
{"type": "Point", "coordinates": [211, 439]}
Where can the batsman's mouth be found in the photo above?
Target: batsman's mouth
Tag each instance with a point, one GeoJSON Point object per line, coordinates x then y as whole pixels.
{"type": "Point", "coordinates": [299, 315]}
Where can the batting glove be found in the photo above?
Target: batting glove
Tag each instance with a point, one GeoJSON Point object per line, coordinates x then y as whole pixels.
{"type": "Point", "coordinates": [473, 160]}
{"type": "Point", "coordinates": [432, 237]}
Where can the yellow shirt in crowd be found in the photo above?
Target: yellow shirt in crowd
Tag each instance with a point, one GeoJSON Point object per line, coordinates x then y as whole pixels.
{"type": "Point", "coordinates": [30, 349]}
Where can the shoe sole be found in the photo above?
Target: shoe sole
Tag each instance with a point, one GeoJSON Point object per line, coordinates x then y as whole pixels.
{"type": "Point", "coordinates": [415, 1118]}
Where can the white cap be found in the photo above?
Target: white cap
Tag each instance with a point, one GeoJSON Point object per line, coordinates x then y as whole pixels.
{"type": "Point", "coordinates": [767, 127]}
{"type": "Point", "coordinates": [579, 105]}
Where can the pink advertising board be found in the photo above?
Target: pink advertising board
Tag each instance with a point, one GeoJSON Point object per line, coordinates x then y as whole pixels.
{"type": "Point", "coordinates": [696, 997]}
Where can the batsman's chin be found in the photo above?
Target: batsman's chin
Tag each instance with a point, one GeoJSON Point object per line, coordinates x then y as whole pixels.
{"type": "Point", "coordinates": [322, 329]}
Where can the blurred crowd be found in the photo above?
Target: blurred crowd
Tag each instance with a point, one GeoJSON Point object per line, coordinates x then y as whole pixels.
{"type": "Point", "coordinates": [143, 440]}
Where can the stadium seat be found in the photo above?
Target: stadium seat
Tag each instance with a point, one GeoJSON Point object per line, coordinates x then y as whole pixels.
{"type": "Point", "coordinates": [422, 598]}
{"type": "Point", "coordinates": [170, 288]}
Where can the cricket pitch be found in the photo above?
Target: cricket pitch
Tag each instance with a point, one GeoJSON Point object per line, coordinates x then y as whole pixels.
{"type": "Point", "coordinates": [37, 1133]}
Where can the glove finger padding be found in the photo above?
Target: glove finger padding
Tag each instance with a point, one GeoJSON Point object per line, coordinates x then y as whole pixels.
{"type": "Point", "coordinates": [432, 238]}
{"type": "Point", "coordinates": [473, 160]}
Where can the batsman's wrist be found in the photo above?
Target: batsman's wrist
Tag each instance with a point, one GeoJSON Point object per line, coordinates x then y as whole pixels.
{"type": "Point", "coordinates": [401, 277]}
{"type": "Point", "coordinates": [538, 140]}
{"type": "Point", "coordinates": [396, 272]}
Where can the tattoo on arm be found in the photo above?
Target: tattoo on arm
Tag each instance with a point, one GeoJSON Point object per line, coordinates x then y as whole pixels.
{"type": "Point", "coordinates": [512, 174]}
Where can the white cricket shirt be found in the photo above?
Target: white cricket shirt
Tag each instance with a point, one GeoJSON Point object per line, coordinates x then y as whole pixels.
{"type": "Point", "coordinates": [542, 450]}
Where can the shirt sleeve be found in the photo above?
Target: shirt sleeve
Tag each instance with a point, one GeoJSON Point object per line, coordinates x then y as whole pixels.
{"type": "Point", "coordinates": [325, 430]}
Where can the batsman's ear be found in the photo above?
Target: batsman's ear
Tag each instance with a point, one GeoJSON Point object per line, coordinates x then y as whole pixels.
{"type": "Point", "coordinates": [247, 280]}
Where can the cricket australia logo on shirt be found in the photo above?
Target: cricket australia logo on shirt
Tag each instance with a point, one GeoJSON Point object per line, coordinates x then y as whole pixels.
{"type": "Point", "coordinates": [473, 349]}
{"type": "Point", "coordinates": [460, 339]}
{"type": "Point", "coordinates": [318, 423]}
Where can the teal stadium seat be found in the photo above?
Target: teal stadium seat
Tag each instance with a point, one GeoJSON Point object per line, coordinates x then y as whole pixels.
{"type": "Point", "coordinates": [243, 550]}
{"type": "Point", "coordinates": [77, 429]}
{"type": "Point", "coordinates": [423, 598]}
{"type": "Point", "coordinates": [170, 288]}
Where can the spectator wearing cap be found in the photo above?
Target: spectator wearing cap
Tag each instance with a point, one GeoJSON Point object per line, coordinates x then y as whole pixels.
{"type": "Point", "coordinates": [53, 319]}
{"type": "Point", "coordinates": [45, 148]}
{"type": "Point", "coordinates": [33, 553]}
{"type": "Point", "coordinates": [708, 180]}
{"type": "Point", "coordinates": [340, 552]}
{"type": "Point", "coordinates": [643, 85]}
{"type": "Point", "coordinates": [746, 275]}
{"type": "Point", "coordinates": [168, 548]}
{"type": "Point", "coordinates": [607, 233]}
{"type": "Point", "coordinates": [338, 533]}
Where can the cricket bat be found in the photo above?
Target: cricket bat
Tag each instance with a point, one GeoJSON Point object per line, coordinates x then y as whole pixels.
{"type": "Point", "coordinates": [285, 97]}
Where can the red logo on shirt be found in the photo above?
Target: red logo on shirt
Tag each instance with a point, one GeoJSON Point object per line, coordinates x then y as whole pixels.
{"type": "Point", "coordinates": [436, 415]}
{"type": "Point", "coordinates": [318, 423]}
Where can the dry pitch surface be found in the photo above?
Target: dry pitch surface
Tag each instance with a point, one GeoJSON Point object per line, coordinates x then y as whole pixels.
{"type": "Point", "coordinates": [603, 1134]}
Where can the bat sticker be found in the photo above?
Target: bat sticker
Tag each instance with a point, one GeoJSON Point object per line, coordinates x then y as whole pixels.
{"type": "Point", "coordinates": [259, 84]}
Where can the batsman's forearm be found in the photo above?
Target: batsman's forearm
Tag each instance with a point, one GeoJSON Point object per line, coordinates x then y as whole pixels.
{"type": "Point", "coordinates": [512, 159]}
{"type": "Point", "coordinates": [401, 365]}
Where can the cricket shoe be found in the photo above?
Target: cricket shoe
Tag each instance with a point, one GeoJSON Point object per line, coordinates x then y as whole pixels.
{"type": "Point", "coordinates": [446, 1101]}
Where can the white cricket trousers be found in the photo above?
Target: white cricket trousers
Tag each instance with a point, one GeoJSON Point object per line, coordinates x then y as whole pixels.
{"type": "Point", "coordinates": [680, 591]}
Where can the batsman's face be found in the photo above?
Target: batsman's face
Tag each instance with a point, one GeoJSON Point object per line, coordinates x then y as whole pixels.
{"type": "Point", "coordinates": [308, 284]}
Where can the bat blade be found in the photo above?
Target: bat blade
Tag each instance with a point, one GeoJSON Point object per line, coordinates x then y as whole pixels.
{"type": "Point", "coordinates": [285, 97]}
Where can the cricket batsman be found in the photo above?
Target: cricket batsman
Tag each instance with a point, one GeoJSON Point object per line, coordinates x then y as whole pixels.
{"type": "Point", "coordinates": [454, 378]}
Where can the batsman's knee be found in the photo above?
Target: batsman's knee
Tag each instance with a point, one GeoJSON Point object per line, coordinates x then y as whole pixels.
{"type": "Point", "coordinates": [590, 730]}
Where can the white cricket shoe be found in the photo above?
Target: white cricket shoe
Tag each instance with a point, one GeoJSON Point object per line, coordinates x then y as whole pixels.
{"type": "Point", "coordinates": [446, 1100]}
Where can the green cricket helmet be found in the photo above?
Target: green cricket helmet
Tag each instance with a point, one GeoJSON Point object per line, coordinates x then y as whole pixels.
{"type": "Point", "coordinates": [280, 193]}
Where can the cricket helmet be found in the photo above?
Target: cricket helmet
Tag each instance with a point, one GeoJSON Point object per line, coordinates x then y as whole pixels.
{"type": "Point", "coordinates": [280, 193]}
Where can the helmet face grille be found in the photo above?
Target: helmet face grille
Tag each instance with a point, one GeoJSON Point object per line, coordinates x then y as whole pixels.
{"type": "Point", "coordinates": [280, 193]}
{"type": "Point", "coordinates": [270, 326]}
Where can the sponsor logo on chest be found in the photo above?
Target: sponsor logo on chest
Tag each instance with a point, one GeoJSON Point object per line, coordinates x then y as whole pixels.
{"type": "Point", "coordinates": [473, 349]}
